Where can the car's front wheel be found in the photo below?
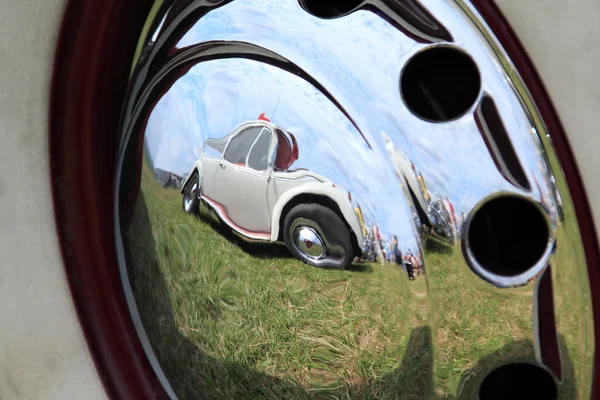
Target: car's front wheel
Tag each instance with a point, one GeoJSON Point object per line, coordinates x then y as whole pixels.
{"type": "Point", "coordinates": [191, 195]}
{"type": "Point", "coordinates": [318, 236]}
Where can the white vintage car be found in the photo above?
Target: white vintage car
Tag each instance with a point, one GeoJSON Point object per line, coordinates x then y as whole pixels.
{"type": "Point", "coordinates": [246, 178]}
{"type": "Point", "coordinates": [406, 173]}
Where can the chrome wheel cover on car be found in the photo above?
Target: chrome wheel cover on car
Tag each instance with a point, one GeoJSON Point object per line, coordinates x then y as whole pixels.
{"type": "Point", "coordinates": [191, 194]}
{"type": "Point", "coordinates": [308, 242]}
{"type": "Point", "coordinates": [419, 121]}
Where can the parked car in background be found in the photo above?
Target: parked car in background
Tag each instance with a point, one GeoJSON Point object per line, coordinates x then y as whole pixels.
{"type": "Point", "coordinates": [246, 177]}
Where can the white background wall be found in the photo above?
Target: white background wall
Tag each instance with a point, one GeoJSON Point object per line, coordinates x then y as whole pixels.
{"type": "Point", "coordinates": [43, 354]}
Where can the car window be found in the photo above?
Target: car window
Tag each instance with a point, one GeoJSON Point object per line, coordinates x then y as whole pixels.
{"type": "Point", "coordinates": [258, 158]}
{"type": "Point", "coordinates": [214, 148]}
{"type": "Point", "coordinates": [286, 151]}
{"type": "Point", "coordinates": [240, 145]}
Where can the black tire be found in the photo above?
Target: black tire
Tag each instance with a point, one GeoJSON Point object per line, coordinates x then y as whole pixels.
{"type": "Point", "coordinates": [193, 207]}
{"type": "Point", "coordinates": [330, 226]}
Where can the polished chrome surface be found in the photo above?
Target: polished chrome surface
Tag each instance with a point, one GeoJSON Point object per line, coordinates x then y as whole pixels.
{"type": "Point", "coordinates": [380, 212]}
{"type": "Point", "coordinates": [308, 241]}
{"type": "Point", "coordinates": [190, 196]}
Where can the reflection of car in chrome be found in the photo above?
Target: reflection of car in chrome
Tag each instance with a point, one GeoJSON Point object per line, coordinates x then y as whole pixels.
{"type": "Point", "coordinates": [415, 186]}
{"type": "Point", "coordinates": [435, 214]}
{"type": "Point", "coordinates": [246, 178]}
{"type": "Point", "coordinates": [442, 220]}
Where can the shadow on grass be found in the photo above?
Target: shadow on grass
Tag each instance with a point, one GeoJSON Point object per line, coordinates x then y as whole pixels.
{"type": "Point", "coordinates": [362, 268]}
{"type": "Point", "coordinates": [435, 245]}
{"type": "Point", "coordinates": [414, 378]}
{"type": "Point", "coordinates": [194, 374]}
{"type": "Point", "coordinates": [258, 249]}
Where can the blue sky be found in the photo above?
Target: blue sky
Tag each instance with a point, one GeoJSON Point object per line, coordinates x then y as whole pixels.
{"type": "Point", "coordinates": [216, 96]}
{"type": "Point", "coordinates": [358, 59]}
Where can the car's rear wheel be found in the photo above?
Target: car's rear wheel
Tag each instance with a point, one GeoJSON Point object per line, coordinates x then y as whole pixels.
{"type": "Point", "coordinates": [191, 195]}
{"type": "Point", "coordinates": [318, 236]}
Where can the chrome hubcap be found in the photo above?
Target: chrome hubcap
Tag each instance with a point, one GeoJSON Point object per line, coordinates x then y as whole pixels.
{"type": "Point", "coordinates": [429, 149]}
{"type": "Point", "coordinates": [308, 241]}
{"type": "Point", "coordinates": [190, 195]}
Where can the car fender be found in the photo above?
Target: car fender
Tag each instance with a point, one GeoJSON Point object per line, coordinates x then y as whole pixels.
{"type": "Point", "coordinates": [197, 167]}
{"type": "Point", "coordinates": [318, 188]}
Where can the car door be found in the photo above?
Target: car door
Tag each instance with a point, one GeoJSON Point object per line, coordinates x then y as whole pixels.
{"type": "Point", "coordinates": [211, 156]}
{"type": "Point", "coordinates": [241, 181]}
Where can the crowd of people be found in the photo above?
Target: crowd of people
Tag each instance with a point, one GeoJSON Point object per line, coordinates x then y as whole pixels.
{"type": "Point", "coordinates": [387, 251]}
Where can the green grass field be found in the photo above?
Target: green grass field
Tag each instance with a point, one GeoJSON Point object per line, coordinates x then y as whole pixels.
{"type": "Point", "coordinates": [231, 319]}
{"type": "Point", "coordinates": [251, 321]}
